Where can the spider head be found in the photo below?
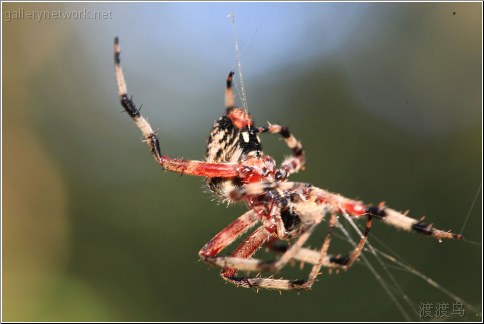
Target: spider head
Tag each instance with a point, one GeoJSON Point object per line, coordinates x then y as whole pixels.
{"type": "Point", "coordinates": [240, 117]}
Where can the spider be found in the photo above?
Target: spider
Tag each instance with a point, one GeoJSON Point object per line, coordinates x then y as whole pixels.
{"type": "Point", "coordinates": [237, 170]}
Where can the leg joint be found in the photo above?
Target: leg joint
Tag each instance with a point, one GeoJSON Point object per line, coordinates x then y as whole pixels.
{"type": "Point", "coordinates": [376, 211]}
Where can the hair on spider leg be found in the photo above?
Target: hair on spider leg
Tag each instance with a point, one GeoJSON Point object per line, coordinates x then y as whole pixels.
{"type": "Point", "coordinates": [139, 109]}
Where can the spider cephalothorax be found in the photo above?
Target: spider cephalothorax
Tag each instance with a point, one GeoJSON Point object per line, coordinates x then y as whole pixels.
{"type": "Point", "coordinates": [236, 170]}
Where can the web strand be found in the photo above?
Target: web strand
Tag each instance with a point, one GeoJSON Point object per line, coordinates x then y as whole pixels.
{"type": "Point", "coordinates": [471, 208]}
{"type": "Point", "coordinates": [375, 273]}
{"type": "Point", "coordinates": [245, 105]}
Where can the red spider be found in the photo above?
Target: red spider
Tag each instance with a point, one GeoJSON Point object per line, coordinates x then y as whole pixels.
{"type": "Point", "coordinates": [236, 170]}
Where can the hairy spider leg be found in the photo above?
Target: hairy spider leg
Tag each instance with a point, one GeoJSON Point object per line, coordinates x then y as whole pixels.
{"type": "Point", "coordinates": [228, 235]}
{"type": "Point", "coordinates": [294, 163]}
{"type": "Point", "coordinates": [313, 211]}
{"type": "Point", "coordinates": [387, 215]}
{"type": "Point", "coordinates": [315, 271]}
{"type": "Point", "coordinates": [243, 223]}
{"type": "Point", "coordinates": [307, 255]}
{"type": "Point", "coordinates": [347, 262]}
{"type": "Point", "coordinates": [244, 251]}
{"type": "Point", "coordinates": [314, 257]}
{"type": "Point", "coordinates": [239, 260]}
{"type": "Point", "coordinates": [190, 167]}
{"type": "Point", "coordinates": [352, 207]}
{"type": "Point", "coordinates": [278, 284]}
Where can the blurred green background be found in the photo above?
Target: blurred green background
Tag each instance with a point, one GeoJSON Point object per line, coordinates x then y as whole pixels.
{"type": "Point", "coordinates": [386, 98]}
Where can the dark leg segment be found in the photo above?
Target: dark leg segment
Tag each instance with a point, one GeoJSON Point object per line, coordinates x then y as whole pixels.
{"type": "Point", "coordinates": [229, 96]}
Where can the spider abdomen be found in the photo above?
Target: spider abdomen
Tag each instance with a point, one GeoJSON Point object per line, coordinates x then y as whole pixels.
{"type": "Point", "coordinates": [228, 143]}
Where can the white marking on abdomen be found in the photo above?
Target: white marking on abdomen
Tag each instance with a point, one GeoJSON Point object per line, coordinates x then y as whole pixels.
{"type": "Point", "coordinates": [245, 136]}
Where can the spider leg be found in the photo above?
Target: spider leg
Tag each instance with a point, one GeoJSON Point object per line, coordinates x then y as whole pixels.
{"type": "Point", "coordinates": [310, 256]}
{"type": "Point", "coordinates": [353, 208]}
{"type": "Point", "coordinates": [313, 212]}
{"type": "Point", "coordinates": [347, 262]}
{"type": "Point", "coordinates": [229, 96]}
{"type": "Point", "coordinates": [356, 209]}
{"type": "Point", "coordinates": [228, 235]}
{"type": "Point", "coordinates": [239, 261]}
{"type": "Point", "coordinates": [401, 221]}
{"type": "Point", "coordinates": [321, 257]}
{"type": "Point", "coordinates": [196, 168]}
{"type": "Point", "coordinates": [244, 250]}
{"type": "Point", "coordinates": [291, 164]}
{"type": "Point", "coordinates": [305, 255]}
{"type": "Point", "coordinates": [387, 215]}
{"type": "Point", "coordinates": [280, 284]}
